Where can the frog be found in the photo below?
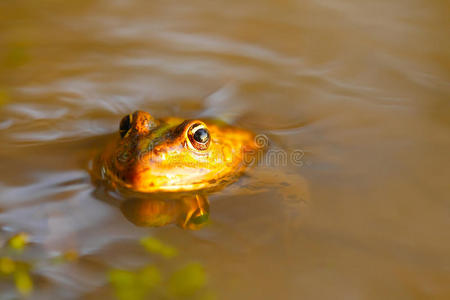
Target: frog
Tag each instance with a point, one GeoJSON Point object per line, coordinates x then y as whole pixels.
{"type": "Point", "coordinates": [165, 168]}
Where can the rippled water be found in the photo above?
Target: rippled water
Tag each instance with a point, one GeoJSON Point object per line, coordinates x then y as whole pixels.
{"type": "Point", "coordinates": [361, 88]}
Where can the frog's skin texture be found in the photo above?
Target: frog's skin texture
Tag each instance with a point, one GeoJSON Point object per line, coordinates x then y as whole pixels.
{"type": "Point", "coordinates": [151, 155]}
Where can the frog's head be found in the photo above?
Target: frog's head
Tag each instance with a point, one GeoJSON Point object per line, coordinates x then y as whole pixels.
{"type": "Point", "coordinates": [173, 154]}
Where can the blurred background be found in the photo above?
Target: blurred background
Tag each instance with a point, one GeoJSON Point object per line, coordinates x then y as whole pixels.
{"type": "Point", "coordinates": [362, 88]}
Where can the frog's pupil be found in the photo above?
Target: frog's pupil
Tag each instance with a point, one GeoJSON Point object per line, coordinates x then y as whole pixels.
{"type": "Point", "coordinates": [201, 135]}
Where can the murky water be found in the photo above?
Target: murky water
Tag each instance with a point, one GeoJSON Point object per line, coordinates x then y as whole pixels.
{"type": "Point", "coordinates": [361, 88]}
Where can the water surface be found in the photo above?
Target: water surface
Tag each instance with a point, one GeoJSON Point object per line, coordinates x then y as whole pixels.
{"type": "Point", "coordinates": [362, 88]}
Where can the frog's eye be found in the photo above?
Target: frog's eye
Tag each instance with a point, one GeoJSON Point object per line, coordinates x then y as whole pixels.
{"type": "Point", "coordinates": [199, 136]}
{"type": "Point", "coordinates": [125, 125]}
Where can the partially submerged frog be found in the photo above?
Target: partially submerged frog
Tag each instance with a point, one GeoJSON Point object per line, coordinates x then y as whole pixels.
{"type": "Point", "coordinates": [165, 159]}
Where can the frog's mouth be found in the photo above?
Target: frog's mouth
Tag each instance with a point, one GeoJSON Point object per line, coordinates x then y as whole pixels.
{"type": "Point", "coordinates": [151, 179]}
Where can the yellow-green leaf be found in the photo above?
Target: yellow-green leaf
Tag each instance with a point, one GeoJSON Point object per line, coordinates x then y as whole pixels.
{"type": "Point", "coordinates": [155, 246]}
{"type": "Point", "coordinates": [137, 285]}
{"type": "Point", "coordinates": [7, 266]}
{"type": "Point", "coordinates": [19, 241]}
{"type": "Point", "coordinates": [149, 277]}
{"type": "Point", "coordinates": [188, 280]}
{"type": "Point", "coordinates": [122, 278]}
{"type": "Point", "coordinates": [23, 281]}
{"type": "Point", "coordinates": [124, 285]}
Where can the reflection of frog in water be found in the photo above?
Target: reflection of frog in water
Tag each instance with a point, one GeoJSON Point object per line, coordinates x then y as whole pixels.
{"type": "Point", "coordinates": [177, 161]}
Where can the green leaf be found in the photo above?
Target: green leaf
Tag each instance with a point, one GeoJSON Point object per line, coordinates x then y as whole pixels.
{"type": "Point", "coordinates": [137, 285]}
{"type": "Point", "coordinates": [188, 280]}
{"type": "Point", "coordinates": [19, 241]}
{"type": "Point", "coordinates": [124, 283]}
{"type": "Point", "coordinates": [121, 277]}
{"type": "Point", "coordinates": [149, 277]}
{"type": "Point", "coordinates": [7, 266]}
{"type": "Point", "coordinates": [24, 284]}
{"type": "Point", "coordinates": [155, 246]}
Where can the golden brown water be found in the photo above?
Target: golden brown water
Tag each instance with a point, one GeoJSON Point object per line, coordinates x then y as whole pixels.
{"type": "Point", "coordinates": [362, 88]}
